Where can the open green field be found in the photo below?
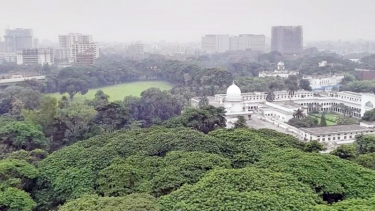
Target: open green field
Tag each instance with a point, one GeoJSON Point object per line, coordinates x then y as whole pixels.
{"type": "Point", "coordinates": [330, 117]}
{"type": "Point", "coordinates": [120, 91]}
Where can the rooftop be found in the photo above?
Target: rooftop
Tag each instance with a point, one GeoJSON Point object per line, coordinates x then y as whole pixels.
{"type": "Point", "coordinates": [287, 104]}
{"type": "Point", "coordinates": [336, 129]}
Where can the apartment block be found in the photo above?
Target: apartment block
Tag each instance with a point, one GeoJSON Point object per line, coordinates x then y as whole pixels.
{"type": "Point", "coordinates": [287, 40]}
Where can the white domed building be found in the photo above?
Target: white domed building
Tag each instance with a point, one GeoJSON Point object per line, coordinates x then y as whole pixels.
{"type": "Point", "coordinates": [233, 99]}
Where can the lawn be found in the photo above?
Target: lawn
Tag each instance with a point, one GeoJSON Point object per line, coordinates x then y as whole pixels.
{"type": "Point", "coordinates": [330, 118]}
{"type": "Point", "coordinates": [120, 91]}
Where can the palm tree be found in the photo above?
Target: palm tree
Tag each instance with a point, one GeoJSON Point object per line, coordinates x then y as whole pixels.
{"type": "Point", "coordinates": [298, 114]}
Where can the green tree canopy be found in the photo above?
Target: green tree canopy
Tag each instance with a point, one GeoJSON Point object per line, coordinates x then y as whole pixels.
{"type": "Point", "coordinates": [134, 202]}
{"type": "Point", "coordinates": [242, 190]}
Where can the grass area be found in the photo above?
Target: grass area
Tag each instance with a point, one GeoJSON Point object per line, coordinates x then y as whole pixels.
{"type": "Point", "coordinates": [120, 91]}
{"type": "Point", "coordinates": [330, 118]}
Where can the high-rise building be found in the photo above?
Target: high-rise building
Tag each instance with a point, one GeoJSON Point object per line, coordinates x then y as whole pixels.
{"type": "Point", "coordinates": [74, 43]}
{"type": "Point", "coordinates": [287, 40]}
{"type": "Point", "coordinates": [248, 42]}
{"type": "Point", "coordinates": [18, 39]}
{"type": "Point", "coordinates": [34, 56]}
{"type": "Point", "coordinates": [216, 43]}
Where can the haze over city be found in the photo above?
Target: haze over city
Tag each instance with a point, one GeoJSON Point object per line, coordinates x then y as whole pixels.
{"type": "Point", "coordinates": [176, 20]}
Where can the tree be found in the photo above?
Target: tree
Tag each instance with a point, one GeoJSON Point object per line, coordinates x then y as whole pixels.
{"type": "Point", "coordinates": [43, 116]}
{"type": "Point", "coordinates": [323, 121]}
{"type": "Point", "coordinates": [203, 102]}
{"type": "Point", "coordinates": [292, 85]}
{"type": "Point", "coordinates": [73, 86]}
{"type": "Point", "coordinates": [77, 119]}
{"type": "Point", "coordinates": [134, 202]}
{"type": "Point", "coordinates": [100, 99]}
{"type": "Point", "coordinates": [366, 160]}
{"type": "Point", "coordinates": [242, 190]}
{"type": "Point", "coordinates": [298, 114]}
{"type": "Point", "coordinates": [112, 116]}
{"type": "Point", "coordinates": [305, 84]}
{"type": "Point", "coordinates": [346, 151]}
{"type": "Point", "coordinates": [308, 121]}
{"type": "Point", "coordinates": [333, 178]}
{"type": "Point", "coordinates": [270, 96]}
{"type": "Point", "coordinates": [369, 116]}
{"type": "Point", "coordinates": [365, 144]}
{"type": "Point", "coordinates": [22, 135]}
{"type": "Point", "coordinates": [314, 146]}
{"type": "Point", "coordinates": [15, 199]}
{"type": "Point", "coordinates": [240, 123]}
{"type": "Point", "coordinates": [343, 120]}
{"type": "Point", "coordinates": [204, 119]}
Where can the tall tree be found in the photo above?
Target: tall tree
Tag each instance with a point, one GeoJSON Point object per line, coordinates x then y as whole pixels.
{"type": "Point", "coordinates": [305, 84]}
{"type": "Point", "coordinates": [73, 86]}
{"type": "Point", "coordinates": [323, 121]}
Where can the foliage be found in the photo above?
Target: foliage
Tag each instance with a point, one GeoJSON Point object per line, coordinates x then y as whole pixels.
{"type": "Point", "coordinates": [76, 118]}
{"type": "Point", "coordinates": [314, 146]}
{"type": "Point", "coordinates": [323, 121]}
{"type": "Point", "coordinates": [112, 116]}
{"type": "Point", "coordinates": [365, 144]}
{"type": "Point", "coordinates": [350, 205]}
{"type": "Point", "coordinates": [43, 116]}
{"type": "Point", "coordinates": [305, 84]}
{"type": "Point", "coordinates": [16, 173]}
{"type": "Point", "coordinates": [13, 199]}
{"type": "Point", "coordinates": [22, 135]}
{"type": "Point", "coordinates": [344, 120]}
{"type": "Point", "coordinates": [369, 115]}
{"type": "Point", "coordinates": [346, 151]}
{"type": "Point", "coordinates": [332, 178]}
{"type": "Point", "coordinates": [73, 86]}
{"type": "Point", "coordinates": [204, 119]}
{"type": "Point", "coordinates": [366, 160]}
{"type": "Point", "coordinates": [308, 121]}
{"type": "Point", "coordinates": [134, 202]}
{"type": "Point", "coordinates": [203, 102]}
{"type": "Point", "coordinates": [241, 122]}
{"type": "Point", "coordinates": [242, 189]}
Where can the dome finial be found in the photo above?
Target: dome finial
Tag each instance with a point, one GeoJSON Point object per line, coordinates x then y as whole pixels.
{"type": "Point", "coordinates": [233, 81]}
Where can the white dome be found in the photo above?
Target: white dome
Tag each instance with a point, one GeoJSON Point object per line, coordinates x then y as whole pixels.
{"type": "Point", "coordinates": [280, 63]}
{"type": "Point", "coordinates": [234, 93]}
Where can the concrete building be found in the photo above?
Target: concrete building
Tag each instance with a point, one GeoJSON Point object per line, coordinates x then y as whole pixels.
{"type": "Point", "coordinates": [18, 39]}
{"type": "Point", "coordinates": [136, 49]}
{"type": "Point", "coordinates": [216, 43]}
{"type": "Point", "coordinates": [284, 106]}
{"type": "Point", "coordinates": [324, 82]}
{"type": "Point", "coordinates": [35, 56]}
{"type": "Point", "coordinates": [280, 71]}
{"type": "Point", "coordinates": [73, 44]}
{"type": "Point", "coordinates": [288, 40]}
{"type": "Point", "coordinates": [8, 57]}
{"type": "Point", "coordinates": [86, 58]}
{"type": "Point", "coordinates": [248, 42]}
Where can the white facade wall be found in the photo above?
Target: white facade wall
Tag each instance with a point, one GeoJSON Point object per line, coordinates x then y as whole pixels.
{"type": "Point", "coordinates": [82, 47]}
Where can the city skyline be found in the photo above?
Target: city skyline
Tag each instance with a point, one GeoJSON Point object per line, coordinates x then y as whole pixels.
{"type": "Point", "coordinates": [174, 20]}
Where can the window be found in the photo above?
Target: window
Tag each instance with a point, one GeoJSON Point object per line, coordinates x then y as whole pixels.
{"type": "Point", "coordinates": [344, 137]}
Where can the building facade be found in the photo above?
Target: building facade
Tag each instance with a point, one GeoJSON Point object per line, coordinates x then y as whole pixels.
{"type": "Point", "coordinates": [35, 56]}
{"type": "Point", "coordinates": [18, 39]}
{"type": "Point", "coordinates": [248, 42]}
{"type": "Point", "coordinates": [74, 45]}
{"type": "Point", "coordinates": [216, 43]}
{"type": "Point", "coordinates": [324, 82]}
{"type": "Point", "coordinates": [280, 71]}
{"type": "Point", "coordinates": [288, 40]}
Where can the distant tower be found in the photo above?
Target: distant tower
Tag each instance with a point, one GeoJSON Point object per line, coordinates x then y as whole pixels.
{"type": "Point", "coordinates": [280, 66]}
{"type": "Point", "coordinates": [288, 40]}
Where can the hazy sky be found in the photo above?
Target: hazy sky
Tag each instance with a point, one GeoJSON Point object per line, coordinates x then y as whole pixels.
{"type": "Point", "coordinates": [188, 20]}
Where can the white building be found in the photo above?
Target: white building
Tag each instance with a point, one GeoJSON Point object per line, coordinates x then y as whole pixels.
{"type": "Point", "coordinates": [324, 82]}
{"type": "Point", "coordinates": [74, 43]}
{"type": "Point", "coordinates": [281, 71]}
{"type": "Point", "coordinates": [216, 43]}
{"type": "Point", "coordinates": [284, 106]}
{"type": "Point", "coordinates": [248, 41]}
{"type": "Point", "coordinates": [35, 56]}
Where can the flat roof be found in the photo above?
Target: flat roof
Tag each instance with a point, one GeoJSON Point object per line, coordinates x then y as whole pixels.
{"type": "Point", "coordinates": [287, 104]}
{"type": "Point", "coordinates": [336, 129]}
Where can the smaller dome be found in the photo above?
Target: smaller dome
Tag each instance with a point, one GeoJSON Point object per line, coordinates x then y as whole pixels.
{"type": "Point", "coordinates": [280, 63]}
{"type": "Point", "coordinates": [234, 93]}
